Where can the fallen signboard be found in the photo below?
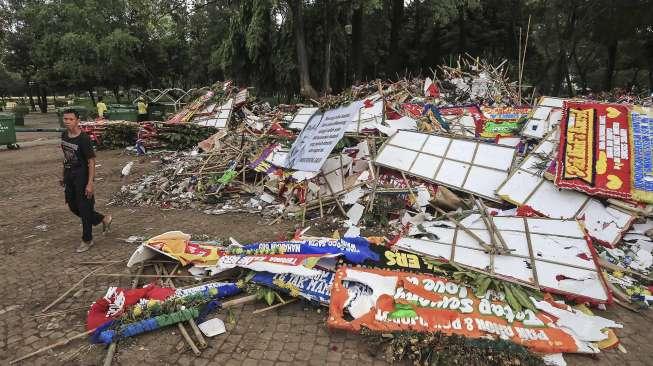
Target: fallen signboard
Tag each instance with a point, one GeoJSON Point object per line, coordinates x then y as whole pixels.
{"type": "Point", "coordinates": [594, 153]}
{"type": "Point", "coordinates": [548, 254]}
{"type": "Point", "coordinates": [642, 153]}
{"type": "Point", "coordinates": [466, 165]}
{"type": "Point", "coordinates": [527, 186]}
{"type": "Point", "coordinates": [401, 301]}
{"type": "Point", "coordinates": [319, 137]}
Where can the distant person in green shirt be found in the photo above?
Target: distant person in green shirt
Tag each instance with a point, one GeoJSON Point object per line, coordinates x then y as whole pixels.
{"type": "Point", "coordinates": [101, 107]}
{"type": "Point", "coordinates": [142, 110]}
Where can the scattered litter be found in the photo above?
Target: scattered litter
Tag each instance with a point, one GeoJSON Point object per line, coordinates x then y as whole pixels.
{"type": "Point", "coordinates": [212, 327]}
{"type": "Point", "coordinates": [483, 209]}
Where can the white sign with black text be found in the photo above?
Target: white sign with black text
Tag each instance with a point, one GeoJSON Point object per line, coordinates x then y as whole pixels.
{"type": "Point", "coordinates": [319, 137]}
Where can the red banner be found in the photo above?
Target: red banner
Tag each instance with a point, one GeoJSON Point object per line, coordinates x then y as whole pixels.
{"type": "Point", "coordinates": [400, 301]}
{"type": "Point", "coordinates": [594, 151]}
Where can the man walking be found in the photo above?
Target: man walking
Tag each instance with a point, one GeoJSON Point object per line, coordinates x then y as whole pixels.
{"type": "Point", "coordinates": [78, 177]}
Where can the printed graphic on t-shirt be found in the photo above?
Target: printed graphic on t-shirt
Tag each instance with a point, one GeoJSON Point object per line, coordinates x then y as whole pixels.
{"type": "Point", "coordinates": [69, 154]}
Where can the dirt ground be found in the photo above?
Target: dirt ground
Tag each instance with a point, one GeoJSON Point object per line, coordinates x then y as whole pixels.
{"type": "Point", "coordinates": [38, 237]}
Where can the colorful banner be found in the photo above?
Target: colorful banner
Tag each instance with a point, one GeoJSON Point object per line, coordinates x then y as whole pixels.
{"type": "Point", "coordinates": [316, 289]}
{"type": "Point", "coordinates": [467, 110]}
{"type": "Point", "coordinates": [642, 153]}
{"type": "Point", "coordinates": [492, 128]}
{"type": "Point", "coordinates": [512, 113]}
{"type": "Point", "coordinates": [394, 259]}
{"type": "Point", "coordinates": [355, 250]}
{"type": "Point", "coordinates": [178, 245]}
{"type": "Point", "coordinates": [401, 301]}
{"type": "Point", "coordinates": [594, 153]}
{"type": "Point", "coordinates": [299, 264]}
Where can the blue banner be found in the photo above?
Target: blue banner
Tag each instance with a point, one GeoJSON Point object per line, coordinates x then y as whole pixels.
{"type": "Point", "coordinates": [355, 250]}
{"type": "Point", "coordinates": [642, 157]}
{"type": "Point", "coordinates": [317, 289]}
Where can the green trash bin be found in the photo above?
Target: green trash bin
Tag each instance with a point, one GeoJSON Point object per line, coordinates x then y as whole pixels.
{"type": "Point", "coordinates": [122, 112]}
{"type": "Point", "coordinates": [8, 130]}
{"type": "Point", "coordinates": [84, 113]}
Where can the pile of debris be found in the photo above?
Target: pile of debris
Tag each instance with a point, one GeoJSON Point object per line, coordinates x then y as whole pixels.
{"type": "Point", "coordinates": [484, 217]}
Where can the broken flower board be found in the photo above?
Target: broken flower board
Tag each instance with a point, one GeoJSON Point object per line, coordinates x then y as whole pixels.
{"type": "Point", "coordinates": [544, 118]}
{"type": "Point", "coordinates": [401, 301]}
{"type": "Point", "coordinates": [642, 153]}
{"type": "Point", "coordinates": [527, 186]}
{"type": "Point", "coordinates": [467, 165]}
{"type": "Point", "coordinates": [549, 254]}
{"type": "Point", "coordinates": [594, 153]}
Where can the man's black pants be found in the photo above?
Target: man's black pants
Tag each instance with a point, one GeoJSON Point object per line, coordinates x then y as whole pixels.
{"type": "Point", "coordinates": [80, 205]}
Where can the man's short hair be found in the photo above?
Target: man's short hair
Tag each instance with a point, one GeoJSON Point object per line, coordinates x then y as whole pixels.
{"type": "Point", "coordinates": [70, 110]}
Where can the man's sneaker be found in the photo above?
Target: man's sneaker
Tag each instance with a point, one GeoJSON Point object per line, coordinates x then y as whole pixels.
{"type": "Point", "coordinates": [84, 246]}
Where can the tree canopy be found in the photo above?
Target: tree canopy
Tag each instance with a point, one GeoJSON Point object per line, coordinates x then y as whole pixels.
{"type": "Point", "coordinates": [317, 46]}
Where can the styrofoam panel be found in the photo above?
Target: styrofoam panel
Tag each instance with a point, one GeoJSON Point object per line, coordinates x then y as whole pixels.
{"type": "Point", "coordinates": [302, 117]}
{"type": "Point", "coordinates": [452, 173]}
{"type": "Point", "coordinates": [396, 157]}
{"type": "Point", "coordinates": [465, 240]}
{"type": "Point", "coordinates": [508, 223]}
{"type": "Point", "coordinates": [425, 165]}
{"type": "Point", "coordinates": [494, 156]}
{"type": "Point", "coordinates": [484, 181]}
{"type": "Point", "coordinates": [553, 202]}
{"type": "Point", "coordinates": [544, 118]}
{"type": "Point", "coordinates": [462, 150]}
{"type": "Point", "coordinates": [555, 227]}
{"type": "Point", "coordinates": [514, 267]}
{"type": "Point", "coordinates": [445, 235]}
{"type": "Point", "coordinates": [434, 250]}
{"type": "Point", "coordinates": [519, 186]}
{"type": "Point", "coordinates": [605, 223]}
{"type": "Point", "coordinates": [436, 145]}
{"type": "Point", "coordinates": [472, 257]}
{"type": "Point", "coordinates": [213, 122]}
{"type": "Point", "coordinates": [582, 282]}
{"type": "Point", "coordinates": [408, 140]}
{"type": "Point", "coordinates": [574, 252]}
{"type": "Point", "coordinates": [517, 242]}
{"type": "Point", "coordinates": [570, 268]}
{"type": "Point", "coordinates": [541, 112]}
{"type": "Point", "coordinates": [399, 148]}
{"type": "Point", "coordinates": [552, 102]}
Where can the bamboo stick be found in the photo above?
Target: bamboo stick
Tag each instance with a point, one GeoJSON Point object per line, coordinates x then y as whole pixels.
{"type": "Point", "coordinates": [60, 343]}
{"type": "Point", "coordinates": [63, 296]}
{"type": "Point", "coordinates": [274, 306]}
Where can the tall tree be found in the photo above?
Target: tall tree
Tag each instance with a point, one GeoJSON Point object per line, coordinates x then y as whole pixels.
{"type": "Point", "coordinates": [305, 86]}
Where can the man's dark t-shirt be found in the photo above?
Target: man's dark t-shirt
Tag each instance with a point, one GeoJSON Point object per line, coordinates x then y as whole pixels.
{"type": "Point", "coordinates": [76, 152]}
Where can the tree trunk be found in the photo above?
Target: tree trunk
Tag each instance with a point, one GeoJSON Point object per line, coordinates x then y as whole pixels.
{"type": "Point", "coordinates": [305, 87]}
{"type": "Point", "coordinates": [582, 74]}
{"type": "Point", "coordinates": [612, 58]}
{"type": "Point", "coordinates": [43, 99]}
{"type": "Point", "coordinates": [328, 18]}
{"type": "Point", "coordinates": [31, 98]}
{"type": "Point", "coordinates": [462, 37]}
{"type": "Point", "coordinates": [90, 92]}
{"type": "Point", "coordinates": [570, 87]}
{"type": "Point", "coordinates": [357, 42]}
{"type": "Point", "coordinates": [116, 93]}
{"type": "Point", "coordinates": [395, 27]}
{"type": "Point", "coordinates": [562, 66]}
